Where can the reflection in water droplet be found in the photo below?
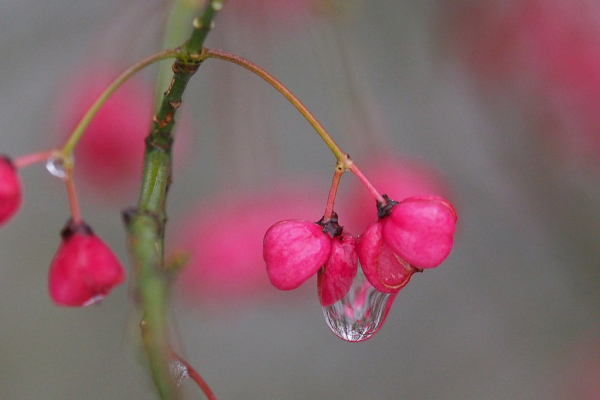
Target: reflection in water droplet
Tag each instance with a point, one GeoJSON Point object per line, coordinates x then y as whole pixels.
{"type": "Point", "coordinates": [93, 300]}
{"type": "Point", "coordinates": [56, 167]}
{"type": "Point", "coordinates": [361, 313]}
{"type": "Point", "coordinates": [179, 371]}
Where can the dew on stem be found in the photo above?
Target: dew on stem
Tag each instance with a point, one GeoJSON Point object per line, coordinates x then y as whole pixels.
{"type": "Point", "coordinates": [56, 167]}
{"type": "Point", "coordinates": [361, 313]}
{"type": "Point", "coordinates": [179, 371]}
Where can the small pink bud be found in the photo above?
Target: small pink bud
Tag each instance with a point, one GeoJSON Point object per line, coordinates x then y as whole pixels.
{"type": "Point", "coordinates": [336, 276]}
{"type": "Point", "coordinates": [420, 230]}
{"type": "Point", "coordinates": [10, 190]}
{"type": "Point", "coordinates": [387, 272]}
{"type": "Point", "coordinates": [294, 251]}
{"type": "Point", "coordinates": [84, 269]}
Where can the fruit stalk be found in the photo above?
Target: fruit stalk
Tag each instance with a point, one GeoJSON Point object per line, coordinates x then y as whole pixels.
{"type": "Point", "coordinates": [145, 225]}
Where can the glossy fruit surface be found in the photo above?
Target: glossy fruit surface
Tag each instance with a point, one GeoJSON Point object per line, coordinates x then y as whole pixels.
{"type": "Point", "coordinates": [336, 276]}
{"type": "Point", "coordinates": [294, 250]}
{"type": "Point", "coordinates": [387, 272]}
{"type": "Point", "coordinates": [420, 230]}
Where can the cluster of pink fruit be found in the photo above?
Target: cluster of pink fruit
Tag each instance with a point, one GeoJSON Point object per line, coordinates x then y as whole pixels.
{"type": "Point", "coordinates": [217, 272]}
{"type": "Point", "coordinates": [409, 236]}
{"type": "Point", "coordinates": [84, 269]}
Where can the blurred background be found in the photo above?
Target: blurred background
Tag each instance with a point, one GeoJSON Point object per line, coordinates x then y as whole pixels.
{"type": "Point", "coordinates": [495, 105]}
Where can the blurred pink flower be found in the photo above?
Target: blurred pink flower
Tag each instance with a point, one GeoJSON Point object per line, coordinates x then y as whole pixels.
{"type": "Point", "coordinates": [543, 53]}
{"type": "Point", "coordinates": [578, 374]}
{"type": "Point", "coordinates": [224, 237]}
{"type": "Point", "coordinates": [109, 156]}
{"type": "Point", "coordinates": [110, 153]}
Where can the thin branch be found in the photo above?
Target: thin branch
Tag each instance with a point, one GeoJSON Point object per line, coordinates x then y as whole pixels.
{"type": "Point", "coordinates": [195, 375]}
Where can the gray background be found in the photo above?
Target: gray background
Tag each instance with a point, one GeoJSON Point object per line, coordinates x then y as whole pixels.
{"type": "Point", "coordinates": [512, 314]}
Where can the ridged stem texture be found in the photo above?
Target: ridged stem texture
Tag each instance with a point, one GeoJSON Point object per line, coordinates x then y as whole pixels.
{"type": "Point", "coordinates": [146, 223]}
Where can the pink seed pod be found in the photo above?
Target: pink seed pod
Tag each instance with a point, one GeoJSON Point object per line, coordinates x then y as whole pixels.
{"type": "Point", "coordinates": [84, 269]}
{"type": "Point", "coordinates": [10, 190]}
{"type": "Point", "coordinates": [294, 250]}
{"type": "Point", "coordinates": [387, 272]}
{"type": "Point", "coordinates": [336, 276]}
{"type": "Point", "coordinates": [420, 230]}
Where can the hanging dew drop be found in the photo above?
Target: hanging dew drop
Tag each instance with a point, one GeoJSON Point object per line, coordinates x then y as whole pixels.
{"type": "Point", "coordinates": [93, 300]}
{"type": "Point", "coordinates": [361, 313]}
{"type": "Point", "coordinates": [179, 371]}
{"type": "Point", "coordinates": [56, 167]}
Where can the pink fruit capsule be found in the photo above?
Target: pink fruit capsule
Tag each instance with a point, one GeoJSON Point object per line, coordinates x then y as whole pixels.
{"type": "Point", "coordinates": [84, 269]}
{"type": "Point", "coordinates": [10, 190]}
{"type": "Point", "coordinates": [294, 250]}
{"type": "Point", "coordinates": [387, 272]}
{"type": "Point", "coordinates": [420, 230]}
{"type": "Point", "coordinates": [336, 276]}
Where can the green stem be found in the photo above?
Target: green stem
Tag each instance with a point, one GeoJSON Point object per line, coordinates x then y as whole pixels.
{"type": "Point", "coordinates": [67, 149]}
{"type": "Point", "coordinates": [152, 290]}
{"type": "Point", "coordinates": [146, 224]}
{"type": "Point", "coordinates": [176, 31]}
{"type": "Point", "coordinates": [203, 26]}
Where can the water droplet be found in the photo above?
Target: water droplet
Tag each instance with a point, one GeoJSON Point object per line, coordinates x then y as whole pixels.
{"type": "Point", "coordinates": [179, 371]}
{"type": "Point", "coordinates": [93, 300]}
{"type": "Point", "coordinates": [361, 313]}
{"type": "Point", "coordinates": [56, 167]}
